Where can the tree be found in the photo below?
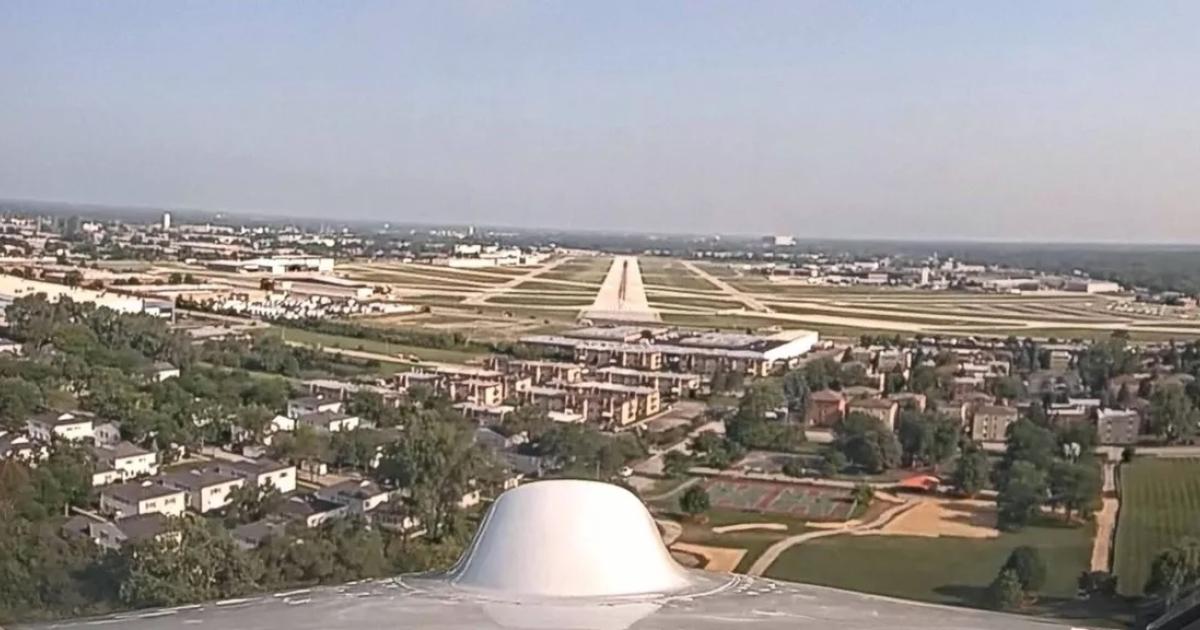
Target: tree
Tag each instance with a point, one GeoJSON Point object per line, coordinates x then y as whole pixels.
{"type": "Point", "coordinates": [1022, 495]}
{"type": "Point", "coordinates": [1008, 388]}
{"type": "Point", "coordinates": [18, 399]}
{"type": "Point", "coordinates": [694, 501]}
{"type": "Point", "coordinates": [796, 391]}
{"type": "Point", "coordinates": [971, 471]}
{"type": "Point", "coordinates": [927, 438]}
{"type": "Point", "coordinates": [866, 442]}
{"type": "Point", "coordinates": [1027, 563]}
{"type": "Point", "coordinates": [822, 373]}
{"type": "Point", "coordinates": [1128, 453]}
{"type": "Point", "coordinates": [676, 464]}
{"type": "Point", "coordinates": [832, 461]}
{"type": "Point", "coordinates": [863, 495]}
{"type": "Point", "coordinates": [1075, 486]}
{"type": "Point", "coordinates": [203, 563]}
{"type": "Point", "coordinates": [1093, 583]}
{"type": "Point", "coordinates": [436, 462]}
{"type": "Point", "coordinates": [1004, 593]}
{"type": "Point", "coordinates": [1028, 442]}
{"type": "Point", "coordinates": [1172, 414]}
{"type": "Point", "coordinates": [1174, 571]}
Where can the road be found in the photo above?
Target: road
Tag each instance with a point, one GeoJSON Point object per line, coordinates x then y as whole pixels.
{"type": "Point", "coordinates": [750, 301]}
{"type": "Point", "coordinates": [653, 465]}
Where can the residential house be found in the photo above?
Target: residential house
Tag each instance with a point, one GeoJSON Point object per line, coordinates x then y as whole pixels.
{"type": "Point", "coordinates": [107, 433]}
{"type": "Point", "coordinates": [9, 346]}
{"type": "Point", "coordinates": [673, 383]}
{"type": "Point", "coordinates": [125, 460]}
{"type": "Point", "coordinates": [1060, 360]}
{"type": "Point", "coordinates": [481, 392]}
{"type": "Point", "coordinates": [825, 408]}
{"type": "Point", "coordinates": [160, 371]}
{"type": "Point", "coordinates": [312, 510]}
{"type": "Point", "coordinates": [112, 535]}
{"type": "Point", "coordinates": [883, 410]}
{"type": "Point", "coordinates": [142, 497]}
{"type": "Point", "coordinates": [261, 473]}
{"type": "Point", "coordinates": [329, 421]}
{"type": "Point", "coordinates": [207, 488]}
{"type": "Point", "coordinates": [991, 422]}
{"type": "Point", "coordinates": [46, 426]}
{"type": "Point", "coordinates": [910, 400]}
{"type": "Point", "coordinates": [297, 407]}
{"type": "Point", "coordinates": [252, 535]}
{"type": "Point", "coordinates": [19, 447]}
{"type": "Point", "coordinates": [359, 496]}
{"type": "Point", "coordinates": [485, 415]}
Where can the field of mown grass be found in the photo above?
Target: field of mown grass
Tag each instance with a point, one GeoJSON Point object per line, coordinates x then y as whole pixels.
{"type": "Point", "coordinates": [943, 570]}
{"type": "Point", "coordinates": [1160, 505]}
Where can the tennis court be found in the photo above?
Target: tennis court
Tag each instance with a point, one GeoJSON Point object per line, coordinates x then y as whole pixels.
{"type": "Point", "coordinates": [814, 503]}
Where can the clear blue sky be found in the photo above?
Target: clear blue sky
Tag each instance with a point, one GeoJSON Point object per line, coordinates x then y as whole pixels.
{"type": "Point", "coordinates": [1038, 120]}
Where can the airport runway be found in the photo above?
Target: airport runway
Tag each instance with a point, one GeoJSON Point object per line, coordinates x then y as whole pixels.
{"type": "Point", "coordinates": [622, 297]}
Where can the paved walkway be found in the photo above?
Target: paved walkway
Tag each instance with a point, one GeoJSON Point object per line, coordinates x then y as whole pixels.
{"type": "Point", "coordinates": [733, 292]}
{"type": "Point", "coordinates": [662, 496]}
{"type": "Point", "coordinates": [1106, 522]}
{"type": "Point", "coordinates": [773, 552]}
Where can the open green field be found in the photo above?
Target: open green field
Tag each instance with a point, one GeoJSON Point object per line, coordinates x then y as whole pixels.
{"type": "Point", "coordinates": [582, 269]}
{"type": "Point", "coordinates": [1160, 505]}
{"type": "Point", "coordinates": [943, 570]}
{"type": "Point", "coordinates": [370, 345]}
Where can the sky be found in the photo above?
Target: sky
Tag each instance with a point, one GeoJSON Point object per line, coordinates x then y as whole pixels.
{"type": "Point", "coordinates": [1013, 120]}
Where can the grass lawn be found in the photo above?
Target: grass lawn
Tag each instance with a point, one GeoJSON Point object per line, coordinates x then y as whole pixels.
{"type": "Point", "coordinates": [945, 570]}
{"type": "Point", "coordinates": [1160, 504]}
{"type": "Point", "coordinates": [754, 542]}
{"type": "Point", "coordinates": [370, 345]}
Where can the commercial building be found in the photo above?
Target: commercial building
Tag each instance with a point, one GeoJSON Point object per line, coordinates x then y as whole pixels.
{"type": "Point", "coordinates": [13, 287]}
{"type": "Point", "coordinates": [275, 265]}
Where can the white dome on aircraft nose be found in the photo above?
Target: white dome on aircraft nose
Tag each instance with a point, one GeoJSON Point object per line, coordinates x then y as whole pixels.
{"type": "Point", "coordinates": [569, 538]}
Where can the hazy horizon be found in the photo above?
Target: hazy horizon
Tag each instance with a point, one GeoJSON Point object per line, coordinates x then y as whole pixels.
{"type": "Point", "coordinates": [935, 121]}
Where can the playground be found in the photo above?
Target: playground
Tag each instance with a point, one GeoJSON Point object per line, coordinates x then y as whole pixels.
{"type": "Point", "coordinates": [813, 503]}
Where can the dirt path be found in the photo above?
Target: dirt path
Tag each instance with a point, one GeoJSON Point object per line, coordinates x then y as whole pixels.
{"type": "Point", "coordinates": [1106, 521]}
{"type": "Point", "coordinates": [717, 559]}
{"type": "Point", "coordinates": [671, 531]}
{"type": "Point", "coordinates": [750, 301]}
{"type": "Point", "coordinates": [773, 552]}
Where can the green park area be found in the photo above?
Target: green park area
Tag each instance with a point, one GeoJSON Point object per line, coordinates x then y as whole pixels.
{"type": "Point", "coordinates": [944, 570]}
{"type": "Point", "coordinates": [1160, 506]}
{"type": "Point", "coordinates": [371, 345]}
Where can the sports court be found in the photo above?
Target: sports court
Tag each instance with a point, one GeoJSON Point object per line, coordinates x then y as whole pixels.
{"type": "Point", "coordinates": [800, 501]}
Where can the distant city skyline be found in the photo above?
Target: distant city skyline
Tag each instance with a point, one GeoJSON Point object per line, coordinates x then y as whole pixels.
{"type": "Point", "coordinates": [1066, 121]}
